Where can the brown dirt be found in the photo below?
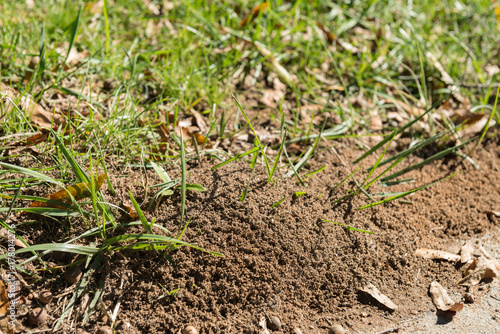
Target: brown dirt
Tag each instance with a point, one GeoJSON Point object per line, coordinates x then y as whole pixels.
{"type": "Point", "coordinates": [288, 262]}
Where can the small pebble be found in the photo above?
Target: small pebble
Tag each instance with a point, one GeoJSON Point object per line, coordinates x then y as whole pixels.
{"type": "Point", "coordinates": [190, 330]}
{"type": "Point", "coordinates": [274, 323]}
{"type": "Point", "coordinates": [469, 298]}
{"type": "Point", "coordinates": [123, 325]}
{"type": "Point", "coordinates": [336, 329]}
{"type": "Point", "coordinates": [37, 316]}
{"type": "Point", "coordinates": [45, 296]}
{"type": "Point", "coordinates": [73, 275]}
{"type": "Point", "coordinates": [104, 330]}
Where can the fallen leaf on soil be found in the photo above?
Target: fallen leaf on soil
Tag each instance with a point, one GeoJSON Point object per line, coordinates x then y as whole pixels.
{"type": "Point", "coordinates": [434, 254]}
{"type": "Point", "coordinates": [441, 300]}
{"type": "Point", "coordinates": [33, 111]}
{"type": "Point", "coordinates": [35, 139]}
{"type": "Point", "coordinates": [78, 191]}
{"type": "Point", "coordinates": [4, 310]}
{"type": "Point", "coordinates": [480, 269]}
{"type": "Point", "coordinates": [32, 65]}
{"type": "Point", "coordinates": [198, 120]}
{"type": "Point", "coordinates": [131, 212]}
{"type": "Point", "coordinates": [255, 12]}
{"type": "Point", "coordinates": [378, 296]}
{"type": "Point", "coordinates": [466, 253]}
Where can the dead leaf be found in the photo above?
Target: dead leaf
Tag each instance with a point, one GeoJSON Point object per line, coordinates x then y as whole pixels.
{"type": "Point", "coordinates": [5, 325]}
{"type": "Point", "coordinates": [466, 253]}
{"type": "Point", "coordinates": [434, 254]}
{"type": "Point", "coordinates": [378, 296]}
{"type": "Point", "coordinates": [329, 36]}
{"type": "Point", "coordinates": [480, 269]}
{"type": "Point", "coordinates": [199, 121]}
{"type": "Point", "coordinates": [33, 111]}
{"type": "Point", "coordinates": [132, 213]}
{"type": "Point", "coordinates": [78, 191]}
{"type": "Point", "coordinates": [255, 13]}
{"type": "Point", "coordinates": [441, 300]}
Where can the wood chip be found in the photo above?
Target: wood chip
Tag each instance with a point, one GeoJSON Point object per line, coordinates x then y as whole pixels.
{"type": "Point", "coordinates": [441, 300]}
{"type": "Point", "coordinates": [434, 254]}
{"type": "Point", "coordinates": [378, 296]}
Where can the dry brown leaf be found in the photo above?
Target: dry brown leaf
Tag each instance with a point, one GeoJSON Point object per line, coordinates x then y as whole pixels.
{"type": "Point", "coordinates": [78, 191]}
{"type": "Point", "coordinates": [198, 120]}
{"type": "Point", "coordinates": [434, 254]}
{"type": "Point", "coordinates": [255, 12]}
{"type": "Point", "coordinates": [378, 296]}
{"type": "Point", "coordinates": [132, 213]}
{"type": "Point", "coordinates": [480, 269]}
{"type": "Point", "coordinates": [5, 325]}
{"type": "Point", "coordinates": [33, 111]}
{"type": "Point", "coordinates": [329, 36]}
{"type": "Point", "coordinates": [441, 300]}
{"type": "Point", "coordinates": [32, 65]}
{"type": "Point", "coordinates": [466, 252]}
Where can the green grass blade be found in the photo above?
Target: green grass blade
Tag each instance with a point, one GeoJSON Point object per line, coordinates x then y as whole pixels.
{"type": "Point", "coordinates": [378, 161]}
{"type": "Point", "coordinates": [239, 156]}
{"type": "Point", "coordinates": [32, 173]}
{"type": "Point", "coordinates": [280, 150]}
{"type": "Point", "coordinates": [278, 202]}
{"type": "Point", "coordinates": [426, 161]}
{"type": "Point", "coordinates": [348, 227]}
{"type": "Point", "coordinates": [183, 182]}
{"type": "Point", "coordinates": [77, 169]}
{"type": "Point", "coordinates": [387, 138]}
{"type": "Point", "coordinates": [142, 218]}
{"type": "Point", "coordinates": [308, 154]}
{"type": "Point", "coordinates": [264, 156]}
{"type": "Point", "coordinates": [403, 194]}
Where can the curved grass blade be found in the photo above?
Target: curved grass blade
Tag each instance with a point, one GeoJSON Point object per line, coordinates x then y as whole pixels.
{"type": "Point", "coordinates": [404, 194]}
{"type": "Point", "coordinates": [32, 173]}
{"type": "Point", "coordinates": [349, 227]}
{"type": "Point", "coordinates": [387, 138]}
{"type": "Point", "coordinates": [239, 156]}
{"type": "Point", "coordinates": [143, 219]}
{"type": "Point", "coordinates": [426, 161]}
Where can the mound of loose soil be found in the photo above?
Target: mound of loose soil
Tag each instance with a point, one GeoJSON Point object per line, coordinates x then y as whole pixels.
{"type": "Point", "coordinates": [287, 261]}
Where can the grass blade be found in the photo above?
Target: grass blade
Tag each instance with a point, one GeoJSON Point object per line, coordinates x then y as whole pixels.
{"type": "Point", "coordinates": [403, 194]}
{"type": "Point", "coordinates": [142, 218]}
{"type": "Point", "coordinates": [426, 161]}
{"type": "Point", "coordinates": [387, 138]}
{"type": "Point", "coordinates": [255, 149]}
{"type": "Point", "coordinates": [348, 227]}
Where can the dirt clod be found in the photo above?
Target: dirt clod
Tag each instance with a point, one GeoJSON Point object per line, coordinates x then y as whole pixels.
{"type": "Point", "coordinates": [190, 330]}
{"type": "Point", "coordinates": [336, 329]}
{"type": "Point", "coordinates": [73, 275]}
{"type": "Point", "coordinates": [45, 297]}
{"type": "Point", "coordinates": [108, 84]}
{"type": "Point", "coordinates": [104, 330]}
{"type": "Point", "coordinates": [274, 323]}
{"type": "Point", "coordinates": [37, 316]}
